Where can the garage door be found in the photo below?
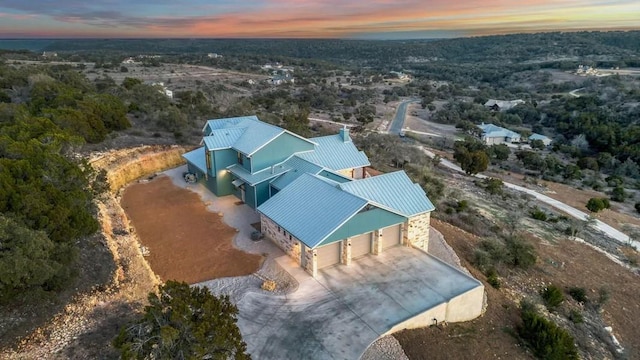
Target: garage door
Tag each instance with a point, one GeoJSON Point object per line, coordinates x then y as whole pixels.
{"type": "Point", "coordinates": [391, 236]}
{"type": "Point", "coordinates": [328, 255]}
{"type": "Point", "coordinates": [360, 245]}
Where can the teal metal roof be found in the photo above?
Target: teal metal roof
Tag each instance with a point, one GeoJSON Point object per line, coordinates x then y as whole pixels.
{"type": "Point", "coordinates": [393, 191]}
{"type": "Point", "coordinates": [222, 138]}
{"type": "Point", "coordinates": [311, 209]}
{"type": "Point", "coordinates": [490, 130]}
{"type": "Point", "coordinates": [535, 136]}
{"type": "Point", "coordinates": [256, 135]}
{"type": "Point", "coordinates": [335, 154]}
{"type": "Point", "coordinates": [297, 166]}
{"type": "Point", "coordinates": [216, 124]}
{"type": "Point", "coordinates": [257, 177]}
{"type": "Point", "coordinates": [197, 158]}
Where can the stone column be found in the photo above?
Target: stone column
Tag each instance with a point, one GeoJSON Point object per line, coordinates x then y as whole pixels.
{"type": "Point", "coordinates": [346, 251]}
{"type": "Point", "coordinates": [377, 242]}
{"type": "Point", "coordinates": [313, 264]}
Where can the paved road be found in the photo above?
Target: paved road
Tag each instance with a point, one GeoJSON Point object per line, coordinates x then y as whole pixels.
{"type": "Point", "coordinates": [605, 228]}
{"type": "Point", "coordinates": [398, 119]}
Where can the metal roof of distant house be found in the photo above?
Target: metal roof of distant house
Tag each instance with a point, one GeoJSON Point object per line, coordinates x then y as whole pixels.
{"type": "Point", "coordinates": [255, 133]}
{"type": "Point", "coordinates": [535, 136]}
{"type": "Point", "coordinates": [503, 104]}
{"type": "Point", "coordinates": [392, 191]}
{"type": "Point", "coordinates": [297, 166]}
{"type": "Point", "coordinates": [490, 131]}
{"type": "Point", "coordinates": [336, 154]}
{"type": "Point", "coordinates": [197, 158]}
{"type": "Point", "coordinates": [311, 209]}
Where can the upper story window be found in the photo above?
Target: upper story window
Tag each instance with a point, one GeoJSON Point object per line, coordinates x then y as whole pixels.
{"type": "Point", "coordinates": [240, 160]}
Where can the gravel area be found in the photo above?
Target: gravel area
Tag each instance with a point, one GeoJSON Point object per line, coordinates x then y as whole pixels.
{"type": "Point", "coordinates": [385, 348]}
{"type": "Point", "coordinates": [439, 248]}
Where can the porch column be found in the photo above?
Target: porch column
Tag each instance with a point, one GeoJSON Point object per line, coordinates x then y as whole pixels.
{"type": "Point", "coordinates": [377, 242]}
{"type": "Point", "coordinates": [346, 251]}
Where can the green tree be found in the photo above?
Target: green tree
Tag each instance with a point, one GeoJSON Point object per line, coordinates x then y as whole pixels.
{"type": "Point", "coordinates": [471, 161]}
{"type": "Point", "coordinates": [27, 258]}
{"type": "Point", "coordinates": [537, 144]}
{"type": "Point", "coordinates": [546, 339]}
{"type": "Point", "coordinates": [598, 204]}
{"type": "Point", "coordinates": [183, 322]}
{"type": "Point", "coordinates": [618, 194]}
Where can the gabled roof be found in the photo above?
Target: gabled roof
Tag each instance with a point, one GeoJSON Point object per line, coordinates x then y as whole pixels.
{"type": "Point", "coordinates": [490, 130]}
{"type": "Point", "coordinates": [535, 136]}
{"type": "Point", "coordinates": [392, 191]}
{"type": "Point", "coordinates": [311, 209]}
{"type": "Point", "coordinates": [336, 154]}
{"type": "Point", "coordinates": [222, 138]}
{"type": "Point", "coordinates": [297, 166]}
{"type": "Point", "coordinates": [250, 133]}
{"type": "Point", "coordinates": [197, 158]}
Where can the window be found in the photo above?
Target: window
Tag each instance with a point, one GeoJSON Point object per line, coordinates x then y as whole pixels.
{"type": "Point", "coordinates": [240, 160]}
{"type": "Point", "coordinates": [208, 159]}
{"type": "Point", "coordinates": [290, 237]}
{"type": "Point", "coordinates": [278, 229]}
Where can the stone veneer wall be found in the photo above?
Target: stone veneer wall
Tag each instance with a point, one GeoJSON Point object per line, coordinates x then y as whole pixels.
{"type": "Point", "coordinates": [416, 231]}
{"type": "Point", "coordinates": [285, 241]}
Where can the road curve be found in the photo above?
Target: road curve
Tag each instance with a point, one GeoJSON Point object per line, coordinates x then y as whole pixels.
{"type": "Point", "coordinates": [599, 225]}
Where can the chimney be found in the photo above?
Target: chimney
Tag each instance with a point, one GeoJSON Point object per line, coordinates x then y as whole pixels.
{"type": "Point", "coordinates": [344, 134]}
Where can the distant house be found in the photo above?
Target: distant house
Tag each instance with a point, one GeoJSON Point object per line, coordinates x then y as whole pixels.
{"type": "Point", "coordinates": [502, 105]}
{"type": "Point", "coordinates": [400, 75]}
{"type": "Point", "coordinates": [129, 60]}
{"type": "Point", "coordinates": [545, 140]}
{"type": "Point", "coordinates": [163, 89]}
{"type": "Point", "coordinates": [49, 54]}
{"type": "Point", "coordinates": [492, 134]}
{"type": "Point", "coordinates": [280, 79]}
{"type": "Point", "coordinates": [314, 199]}
{"type": "Point", "coordinates": [213, 56]}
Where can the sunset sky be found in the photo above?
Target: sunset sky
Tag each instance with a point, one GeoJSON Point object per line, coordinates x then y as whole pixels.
{"type": "Point", "coordinates": [382, 19]}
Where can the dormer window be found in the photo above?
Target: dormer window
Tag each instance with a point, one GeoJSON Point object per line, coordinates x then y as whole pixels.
{"type": "Point", "coordinates": [240, 158]}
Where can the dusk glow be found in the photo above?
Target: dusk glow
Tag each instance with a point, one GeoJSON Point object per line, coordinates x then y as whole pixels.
{"type": "Point", "coordinates": [308, 18]}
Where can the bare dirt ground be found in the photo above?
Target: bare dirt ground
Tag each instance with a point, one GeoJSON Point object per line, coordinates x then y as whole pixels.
{"type": "Point", "coordinates": [186, 242]}
{"type": "Point", "coordinates": [565, 263]}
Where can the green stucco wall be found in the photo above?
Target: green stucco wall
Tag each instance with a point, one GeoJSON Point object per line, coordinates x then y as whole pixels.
{"type": "Point", "coordinates": [278, 150]}
{"type": "Point", "coordinates": [365, 222]}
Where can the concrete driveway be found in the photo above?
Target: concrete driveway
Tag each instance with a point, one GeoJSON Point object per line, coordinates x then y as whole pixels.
{"type": "Point", "coordinates": [338, 315]}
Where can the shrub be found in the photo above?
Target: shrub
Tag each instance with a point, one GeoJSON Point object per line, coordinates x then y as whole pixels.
{"type": "Point", "coordinates": [462, 205]}
{"type": "Point", "coordinates": [493, 186]}
{"type": "Point", "coordinates": [618, 194]}
{"type": "Point", "coordinates": [578, 294]}
{"type": "Point", "coordinates": [492, 278]}
{"type": "Point", "coordinates": [546, 339]}
{"type": "Point", "coordinates": [597, 204]}
{"type": "Point", "coordinates": [538, 214]}
{"type": "Point", "coordinates": [576, 316]}
{"type": "Point", "coordinates": [520, 253]}
{"type": "Point", "coordinates": [552, 296]}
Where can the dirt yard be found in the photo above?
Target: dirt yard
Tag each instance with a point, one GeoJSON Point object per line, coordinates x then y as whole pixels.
{"type": "Point", "coordinates": [186, 241]}
{"type": "Point", "coordinates": [567, 264]}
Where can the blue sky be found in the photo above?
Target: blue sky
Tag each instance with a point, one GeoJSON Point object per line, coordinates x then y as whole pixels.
{"type": "Point", "coordinates": [308, 18]}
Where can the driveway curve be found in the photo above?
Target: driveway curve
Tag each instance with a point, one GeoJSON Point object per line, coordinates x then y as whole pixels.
{"type": "Point", "coordinates": [599, 225]}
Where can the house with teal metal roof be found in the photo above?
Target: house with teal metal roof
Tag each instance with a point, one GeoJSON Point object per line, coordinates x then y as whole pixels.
{"type": "Point", "coordinates": [314, 197]}
{"type": "Point", "coordinates": [493, 134]}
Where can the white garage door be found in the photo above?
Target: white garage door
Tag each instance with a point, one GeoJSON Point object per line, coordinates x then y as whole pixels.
{"type": "Point", "coordinates": [360, 245]}
{"type": "Point", "coordinates": [391, 236]}
{"type": "Point", "coordinates": [328, 255]}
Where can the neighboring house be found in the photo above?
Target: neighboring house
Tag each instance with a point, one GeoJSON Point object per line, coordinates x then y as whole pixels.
{"type": "Point", "coordinates": [129, 60]}
{"type": "Point", "coordinates": [282, 79]}
{"type": "Point", "coordinates": [502, 105]}
{"type": "Point", "coordinates": [545, 140]}
{"type": "Point", "coordinates": [400, 75]}
{"type": "Point", "coordinates": [213, 55]}
{"type": "Point", "coordinates": [163, 89]}
{"type": "Point", "coordinates": [312, 195]}
{"type": "Point", "coordinates": [492, 134]}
